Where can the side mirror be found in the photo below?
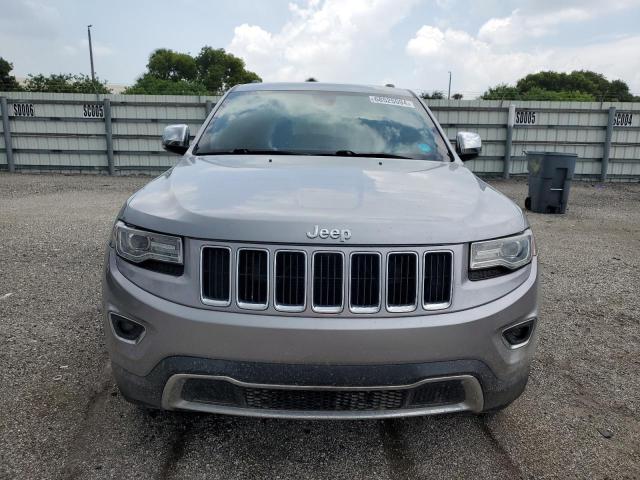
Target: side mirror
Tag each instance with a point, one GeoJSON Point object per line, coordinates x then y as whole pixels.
{"type": "Point", "coordinates": [468, 145]}
{"type": "Point", "coordinates": [176, 139]}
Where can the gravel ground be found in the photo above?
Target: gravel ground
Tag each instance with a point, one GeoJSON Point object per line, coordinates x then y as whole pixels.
{"type": "Point", "coordinates": [62, 417]}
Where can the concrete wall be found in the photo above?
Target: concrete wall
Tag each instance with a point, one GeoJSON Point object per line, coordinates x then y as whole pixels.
{"type": "Point", "coordinates": [63, 132]}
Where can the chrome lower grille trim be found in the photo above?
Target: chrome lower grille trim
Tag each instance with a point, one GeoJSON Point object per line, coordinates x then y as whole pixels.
{"type": "Point", "coordinates": [173, 398]}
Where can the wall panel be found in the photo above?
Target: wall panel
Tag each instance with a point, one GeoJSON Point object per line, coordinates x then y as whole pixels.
{"type": "Point", "coordinates": [57, 134]}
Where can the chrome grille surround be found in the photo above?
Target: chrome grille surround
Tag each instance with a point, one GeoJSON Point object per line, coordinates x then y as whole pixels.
{"type": "Point", "coordinates": [346, 308]}
{"type": "Point", "coordinates": [252, 305]}
{"type": "Point", "coordinates": [321, 308]}
{"type": "Point", "coordinates": [403, 307]}
{"type": "Point", "coordinates": [203, 298]}
{"type": "Point", "coordinates": [364, 309]}
{"type": "Point", "coordinates": [439, 305]}
{"type": "Point", "coordinates": [290, 307]}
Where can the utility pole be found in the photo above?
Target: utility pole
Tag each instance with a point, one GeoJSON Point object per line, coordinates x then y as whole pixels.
{"type": "Point", "coordinates": [449, 94]}
{"type": "Point", "coordinates": [93, 73]}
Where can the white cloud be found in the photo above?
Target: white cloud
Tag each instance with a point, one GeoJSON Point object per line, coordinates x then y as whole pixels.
{"type": "Point", "coordinates": [428, 41]}
{"type": "Point", "coordinates": [325, 39]}
{"type": "Point", "coordinates": [519, 25]}
{"type": "Point", "coordinates": [476, 63]}
{"type": "Point", "coordinates": [537, 19]}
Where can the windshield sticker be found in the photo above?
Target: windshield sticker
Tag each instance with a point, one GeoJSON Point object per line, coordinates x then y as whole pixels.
{"type": "Point", "coordinates": [399, 102]}
{"type": "Point", "coordinates": [424, 147]}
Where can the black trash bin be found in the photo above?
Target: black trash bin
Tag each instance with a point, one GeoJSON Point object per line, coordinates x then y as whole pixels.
{"type": "Point", "coordinates": [550, 176]}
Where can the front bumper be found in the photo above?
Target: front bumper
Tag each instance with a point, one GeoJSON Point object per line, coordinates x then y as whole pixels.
{"type": "Point", "coordinates": [330, 352]}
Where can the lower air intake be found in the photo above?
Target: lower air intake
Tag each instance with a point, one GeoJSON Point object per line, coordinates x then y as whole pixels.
{"type": "Point", "coordinates": [224, 393]}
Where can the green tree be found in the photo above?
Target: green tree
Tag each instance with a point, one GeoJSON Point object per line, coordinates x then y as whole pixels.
{"type": "Point", "coordinates": [435, 95]}
{"type": "Point", "coordinates": [457, 96]}
{"type": "Point", "coordinates": [169, 65]}
{"type": "Point", "coordinates": [538, 93]}
{"type": "Point", "coordinates": [579, 85]}
{"type": "Point", "coordinates": [502, 92]}
{"type": "Point", "coordinates": [8, 82]}
{"type": "Point", "coordinates": [150, 85]}
{"type": "Point", "coordinates": [311, 79]}
{"type": "Point", "coordinates": [65, 83]}
{"type": "Point", "coordinates": [212, 71]}
{"type": "Point", "coordinates": [219, 70]}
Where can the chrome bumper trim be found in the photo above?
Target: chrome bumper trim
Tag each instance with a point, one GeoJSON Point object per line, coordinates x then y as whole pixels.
{"type": "Point", "coordinates": [172, 400]}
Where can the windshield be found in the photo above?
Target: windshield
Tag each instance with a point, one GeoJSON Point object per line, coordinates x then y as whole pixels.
{"type": "Point", "coordinates": [322, 123]}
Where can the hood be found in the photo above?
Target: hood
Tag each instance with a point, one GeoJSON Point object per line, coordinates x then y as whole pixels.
{"type": "Point", "coordinates": [281, 198]}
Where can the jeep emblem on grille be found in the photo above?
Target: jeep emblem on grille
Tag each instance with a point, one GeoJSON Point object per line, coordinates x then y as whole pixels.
{"type": "Point", "coordinates": [325, 233]}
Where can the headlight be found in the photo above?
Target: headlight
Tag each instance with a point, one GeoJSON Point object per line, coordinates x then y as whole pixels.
{"type": "Point", "coordinates": [510, 252]}
{"type": "Point", "coordinates": [137, 245]}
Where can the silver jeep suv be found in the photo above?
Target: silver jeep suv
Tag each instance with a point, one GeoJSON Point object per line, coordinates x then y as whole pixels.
{"type": "Point", "coordinates": [320, 251]}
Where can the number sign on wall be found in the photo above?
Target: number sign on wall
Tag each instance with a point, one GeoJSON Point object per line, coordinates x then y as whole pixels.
{"type": "Point", "coordinates": [526, 117]}
{"type": "Point", "coordinates": [623, 119]}
{"type": "Point", "coordinates": [23, 110]}
{"type": "Point", "coordinates": [93, 110]}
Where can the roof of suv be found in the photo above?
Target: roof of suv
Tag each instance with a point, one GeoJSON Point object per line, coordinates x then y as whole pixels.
{"type": "Point", "coordinates": [327, 87]}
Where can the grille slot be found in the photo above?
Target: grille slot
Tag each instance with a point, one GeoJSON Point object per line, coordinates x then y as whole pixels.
{"type": "Point", "coordinates": [437, 280]}
{"type": "Point", "coordinates": [216, 276]}
{"type": "Point", "coordinates": [253, 278]}
{"type": "Point", "coordinates": [364, 294]}
{"type": "Point", "coordinates": [402, 282]}
{"type": "Point", "coordinates": [290, 281]}
{"type": "Point", "coordinates": [327, 282]}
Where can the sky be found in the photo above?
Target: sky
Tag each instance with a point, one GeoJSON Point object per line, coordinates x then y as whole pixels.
{"type": "Point", "coordinates": [410, 43]}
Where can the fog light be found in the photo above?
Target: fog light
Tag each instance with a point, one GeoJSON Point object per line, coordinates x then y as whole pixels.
{"type": "Point", "coordinates": [125, 329]}
{"type": "Point", "coordinates": [519, 335]}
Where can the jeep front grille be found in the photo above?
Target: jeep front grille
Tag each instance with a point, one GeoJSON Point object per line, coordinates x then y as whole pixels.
{"type": "Point", "coordinates": [332, 281]}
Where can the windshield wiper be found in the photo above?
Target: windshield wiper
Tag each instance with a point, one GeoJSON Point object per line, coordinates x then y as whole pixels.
{"type": "Point", "coordinates": [248, 151]}
{"type": "Point", "coordinates": [351, 153]}
{"type": "Point", "coordinates": [339, 153]}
